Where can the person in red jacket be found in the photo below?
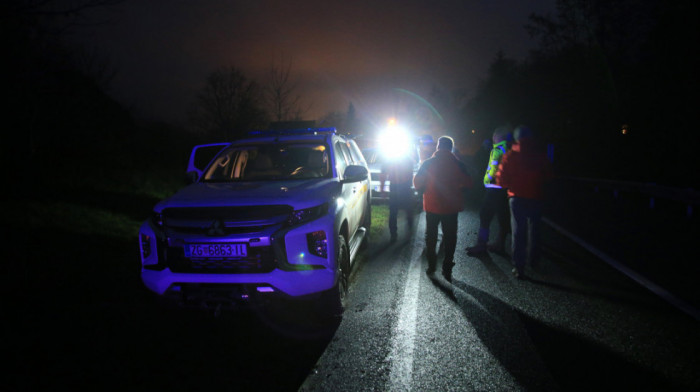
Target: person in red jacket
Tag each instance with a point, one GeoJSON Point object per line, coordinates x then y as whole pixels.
{"type": "Point", "coordinates": [442, 178]}
{"type": "Point", "coordinates": [524, 171]}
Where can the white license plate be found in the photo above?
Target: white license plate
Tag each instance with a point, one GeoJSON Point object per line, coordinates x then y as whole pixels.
{"type": "Point", "coordinates": [216, 250]}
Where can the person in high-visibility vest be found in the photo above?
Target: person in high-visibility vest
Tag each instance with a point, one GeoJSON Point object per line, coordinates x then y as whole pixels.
{"type": "Point", "coordinates": [495, 201]}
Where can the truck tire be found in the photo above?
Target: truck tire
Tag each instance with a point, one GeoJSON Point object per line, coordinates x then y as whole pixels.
{"type": "Point", "coordinates": [332, 302]}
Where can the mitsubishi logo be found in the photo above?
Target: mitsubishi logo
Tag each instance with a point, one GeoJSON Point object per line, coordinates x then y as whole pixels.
{"type": "Point", "coordinates": [216, 229]}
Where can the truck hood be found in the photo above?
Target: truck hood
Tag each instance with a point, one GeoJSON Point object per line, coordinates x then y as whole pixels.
{"type": "Point", "coordinates": [298, 194]}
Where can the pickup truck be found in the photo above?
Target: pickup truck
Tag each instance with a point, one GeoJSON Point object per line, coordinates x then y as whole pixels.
{"type": "Point", "coordinates": [280, 214]}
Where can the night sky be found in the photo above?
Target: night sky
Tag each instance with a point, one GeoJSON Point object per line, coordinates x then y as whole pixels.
{"type": "Point", "coordinates": [342, 52]}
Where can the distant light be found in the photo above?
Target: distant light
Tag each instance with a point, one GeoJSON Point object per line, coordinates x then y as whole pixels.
{"type": "Point", "coordinates": [265, 289]}
{"type": "Point", "coordinates": [625, 129]}
{"type": "Point", "coordinates": [473, 131]}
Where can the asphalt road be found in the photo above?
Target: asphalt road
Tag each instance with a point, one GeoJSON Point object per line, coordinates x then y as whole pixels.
{"type": "Point", "coordinates": [574, 324]}
{"type": "Point", "coordinates": [74, 320]}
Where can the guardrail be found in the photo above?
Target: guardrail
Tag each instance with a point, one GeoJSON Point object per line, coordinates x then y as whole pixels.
{"type": "Point", "coordinates": [675, 286]}
{"type": "Point", "coordinates": [689, 197]}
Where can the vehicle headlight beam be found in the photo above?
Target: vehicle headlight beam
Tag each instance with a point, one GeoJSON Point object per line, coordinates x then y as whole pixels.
{"type": "Point", "coordinates": [395, 142]}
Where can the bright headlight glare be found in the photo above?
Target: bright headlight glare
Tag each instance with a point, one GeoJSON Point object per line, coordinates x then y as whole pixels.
{"type": "Point", "coordinates": [395, 142]}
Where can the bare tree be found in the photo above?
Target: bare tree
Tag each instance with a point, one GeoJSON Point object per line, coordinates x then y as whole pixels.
{"type": "Point", "coordinates": [94, 64]}
{"type": "Point", "coordinates": [282, 93]}
{"type": "Point", "coordinates": [332, 119]}
{"type": "Point", "coordinates": [229, 104]}
{"type": "Point", "coordinates": [58, 7]}
{"type": "Point", "coordinates": [42, 66]}
{"type": "Point", "coordinates": [618, 27]}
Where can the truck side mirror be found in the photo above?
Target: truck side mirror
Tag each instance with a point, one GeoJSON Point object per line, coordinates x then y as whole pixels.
{"type": "Point", "coordinates": [355, 173]}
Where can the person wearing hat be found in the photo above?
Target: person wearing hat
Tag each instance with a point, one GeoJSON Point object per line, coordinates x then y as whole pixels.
{"type": "Point", "coordinates": [524, 171]}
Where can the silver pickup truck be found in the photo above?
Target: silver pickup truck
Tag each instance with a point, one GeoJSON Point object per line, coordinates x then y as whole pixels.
{"type": "Point", "coordinates": [278, 214]}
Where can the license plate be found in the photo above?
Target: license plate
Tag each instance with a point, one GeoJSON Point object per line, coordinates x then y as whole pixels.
{"type": "Point", "coordinates": [216, 250]}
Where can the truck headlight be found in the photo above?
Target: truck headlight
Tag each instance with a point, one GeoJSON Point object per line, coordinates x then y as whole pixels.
{"type": "Point", "coordinates": [307, 214]}
{"type": "Point", "coordinates": [145, 245]}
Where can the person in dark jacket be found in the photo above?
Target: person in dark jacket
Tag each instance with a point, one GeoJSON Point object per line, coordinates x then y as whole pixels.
{"type": "Point", "coordinates": [442, 178]}
{"type": "Point", "coordinates": [524, 171]}
{"type": "Point", "coordinates": [399, 172]}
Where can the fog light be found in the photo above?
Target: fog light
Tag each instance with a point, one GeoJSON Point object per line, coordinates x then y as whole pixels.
{"type": "Point", "coordinates": [318, 244]}
{"type": "Point", "coordinates": [145, 245]}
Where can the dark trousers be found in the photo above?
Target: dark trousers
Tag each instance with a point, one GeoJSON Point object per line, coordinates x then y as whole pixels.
{"type": "Point", "coordinates": [449, 238]}
{"type": "Point", "coordinates": [525, 217]}
{"type": "Point", "coordinates": [399, 199]}
{"type": "Point", "coordinates": [495, 203]}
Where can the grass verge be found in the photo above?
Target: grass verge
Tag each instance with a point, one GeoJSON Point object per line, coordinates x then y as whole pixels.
{"type": "Point", "coordinates": [380, 221]}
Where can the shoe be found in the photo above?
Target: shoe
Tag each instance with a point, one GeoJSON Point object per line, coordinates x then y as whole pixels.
{"type": "Point", "coordinates": [477, 249]}
{"type": "Point", "coordinates": [447, 275]}
{"type": "Point", "coordinates": [447, 270]}
{"type": "Point", "coordinates": [518, 275]}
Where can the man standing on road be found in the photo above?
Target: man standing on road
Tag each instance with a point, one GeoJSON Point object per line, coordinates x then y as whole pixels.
{"type": "Point", "coordinates": [495, 201]}
{"type": "Point", "coordinates": [399, 172]}
{"type": "Point", "coordinates": [442, 178]}
{"type": "Point", "coordinates": [524, 171]}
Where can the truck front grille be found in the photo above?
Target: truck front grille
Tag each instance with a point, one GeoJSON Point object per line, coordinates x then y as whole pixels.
{"type": "Point", "coordinates": [224, 221]}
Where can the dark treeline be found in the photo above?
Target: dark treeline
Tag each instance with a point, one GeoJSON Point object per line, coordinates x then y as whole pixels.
{"type": "Point", "coordinates": [610, 85]}
{"type": "Point", "coordinates": [58, 117]}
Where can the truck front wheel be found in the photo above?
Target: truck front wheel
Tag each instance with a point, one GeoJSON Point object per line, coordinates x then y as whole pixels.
{"type": "Point", "coordinates": [333, 301]}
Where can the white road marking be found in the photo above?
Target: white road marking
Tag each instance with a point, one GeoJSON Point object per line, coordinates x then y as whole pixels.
{"type": "Point", "coordinates": [403, 337]}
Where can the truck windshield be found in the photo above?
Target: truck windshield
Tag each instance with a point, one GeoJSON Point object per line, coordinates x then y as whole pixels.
{"type": "Point", "coordinates": [266, 162]}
